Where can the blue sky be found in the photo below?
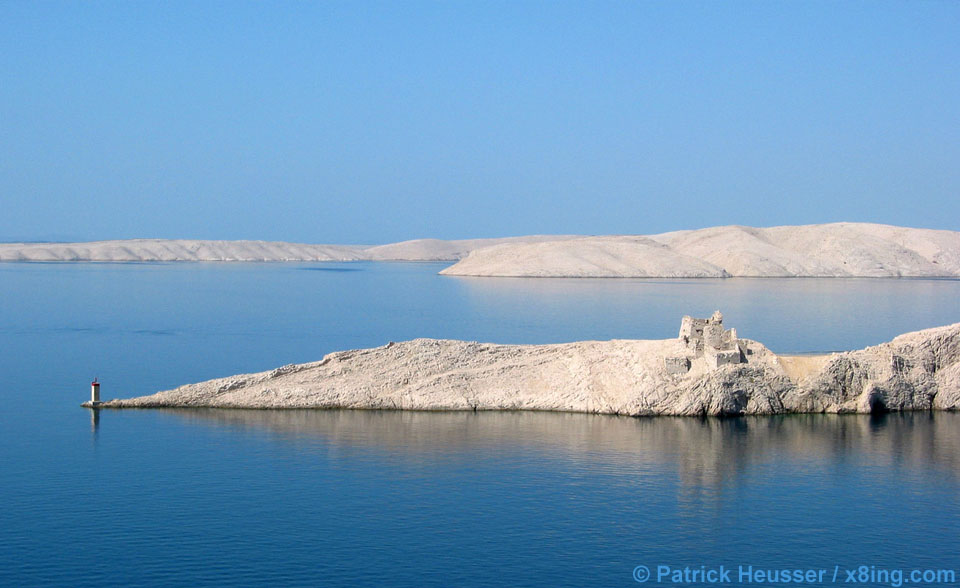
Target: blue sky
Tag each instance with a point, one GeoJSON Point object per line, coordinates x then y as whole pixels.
{"type": "Point", "coordinates": [375, 122]}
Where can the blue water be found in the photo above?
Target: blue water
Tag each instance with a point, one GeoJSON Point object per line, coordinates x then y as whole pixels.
{"type": "Point", "coordinates": [354, 498]}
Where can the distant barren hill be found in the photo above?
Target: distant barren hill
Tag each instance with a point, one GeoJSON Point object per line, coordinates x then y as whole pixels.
{"type": "Point", "coordinates": [828, 250]}
{"type": "Point", "coordinates": [831, 250]}
{"type": "Point", "coordinates": [438, 250]}
{"type": "Point", "coordinates": [178, 250]}
{"type": "Point", "coordinates": [196, 250]}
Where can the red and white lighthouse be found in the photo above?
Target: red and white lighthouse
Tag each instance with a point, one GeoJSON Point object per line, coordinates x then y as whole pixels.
{"type": "Point", "coordinates": [95, 392]}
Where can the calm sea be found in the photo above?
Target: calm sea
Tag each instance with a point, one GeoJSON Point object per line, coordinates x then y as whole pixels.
{"type": "Point", "coordinates": [356, 498]}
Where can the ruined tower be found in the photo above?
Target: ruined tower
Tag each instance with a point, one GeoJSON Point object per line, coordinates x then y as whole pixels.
{"type": "Point", "coordinates": [707, 339]}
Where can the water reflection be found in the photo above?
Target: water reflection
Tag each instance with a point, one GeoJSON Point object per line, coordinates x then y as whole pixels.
{"type": "Point", "coordinates": [704, 453]}
{"type": "Point", "coordinates": [94, 422]}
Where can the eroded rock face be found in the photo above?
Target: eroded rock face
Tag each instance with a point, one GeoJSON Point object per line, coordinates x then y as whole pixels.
{"type": "Point", "coordinates": [916, 371]}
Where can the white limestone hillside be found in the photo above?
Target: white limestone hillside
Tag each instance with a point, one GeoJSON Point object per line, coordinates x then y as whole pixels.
{"type": "Point", "coordinates": [197, 250]}
{"type": "Point", "coordinates": [178, 250]}
{"type": "Point", "coordinates": [585, 257]}
{"type": "Point", "coordinates": [917, 371]}
{"type": "Point", "coordinates": [828, 250]}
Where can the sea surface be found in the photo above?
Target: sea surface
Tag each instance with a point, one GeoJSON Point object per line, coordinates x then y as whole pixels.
{"type": "Point", "coordinates": [366, 498]}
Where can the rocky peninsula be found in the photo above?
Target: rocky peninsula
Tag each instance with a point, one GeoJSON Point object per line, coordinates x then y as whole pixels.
{"type": "Point", "coordinates": [706, 370]}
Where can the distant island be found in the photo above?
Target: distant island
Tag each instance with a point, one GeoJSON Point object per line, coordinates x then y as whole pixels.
{"type": "Point", "coordinates": [706, 370]}
{"type": "Point", "coordinates": [825, 250]}
{"type": "Point", "coordinates": [829, 250]}
{"type": "Point", "coordinates": [171, 250]}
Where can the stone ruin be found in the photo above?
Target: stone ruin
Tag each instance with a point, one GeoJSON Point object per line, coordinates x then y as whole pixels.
{"type": "Point", "coordinates": [707, 339]}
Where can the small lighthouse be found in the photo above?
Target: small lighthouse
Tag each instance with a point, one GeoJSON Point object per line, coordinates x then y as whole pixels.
{"type": "Point", "coordinates": [94, 392]}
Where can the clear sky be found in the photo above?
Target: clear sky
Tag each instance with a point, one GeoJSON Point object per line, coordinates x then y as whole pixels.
{"type": "Point", "coordinates": [364, 122]}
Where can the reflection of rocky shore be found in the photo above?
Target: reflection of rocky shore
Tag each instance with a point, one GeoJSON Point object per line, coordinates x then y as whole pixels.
{"type": "Point", "coordinates": [705, 452]}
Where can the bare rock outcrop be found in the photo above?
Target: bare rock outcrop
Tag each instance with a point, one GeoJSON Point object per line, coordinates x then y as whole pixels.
{"type": "Point", "coordinates": [916, 371]}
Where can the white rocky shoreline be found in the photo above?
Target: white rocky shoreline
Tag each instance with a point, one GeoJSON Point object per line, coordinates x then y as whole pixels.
{"type": "Point", "coordinates": [705, 371]}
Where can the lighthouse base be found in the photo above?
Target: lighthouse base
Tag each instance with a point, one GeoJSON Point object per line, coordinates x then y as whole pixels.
{"type": "Point", "coordinates": [91, 404]}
